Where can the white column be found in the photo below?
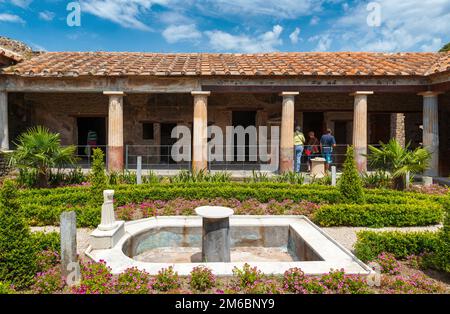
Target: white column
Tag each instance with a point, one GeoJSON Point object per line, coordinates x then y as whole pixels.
{"type": "Point", "coordinates": [287, 131]}
{"type": "Point", "coordinates": [200, 131]}
{"type": "Point", "coordinates": [115, 131]}
{"type": "Point", "coordinates": [4, 133]}
{"type": "Point", "coordinates": [431, 130]}
{"type": "Point", "coordinates": [360, 129]}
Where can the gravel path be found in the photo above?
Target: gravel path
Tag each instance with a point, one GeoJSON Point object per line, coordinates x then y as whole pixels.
{"type": "Point", "coordinates": [346, 236]}
{"type": "Point", "coordinates": [82, 236]}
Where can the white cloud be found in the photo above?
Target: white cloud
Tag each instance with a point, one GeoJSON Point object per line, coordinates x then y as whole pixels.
{"type": "Point", "coordinates": [11, 18]}
{"type": "Point", "coordinates": [288, 9]}
{"type": "Point", "coordinates": [21, 3]}
{"type": "Point", "coordinates": [405, 25]}
{"type": "Point", "coordinates": [126, 13]}
{"type": "Point", "coordinates": [265, 42]}
{"type": "Point", "coordinates": [294, 35]}
{"type": "Point", "coordinates": [324, 42]}
{"type": "Point", "coordinates": [314, 20]}
{"type": "Point", "coordinates": [46, 15]}
{"type": "Point", "coordinates": [176, 33]}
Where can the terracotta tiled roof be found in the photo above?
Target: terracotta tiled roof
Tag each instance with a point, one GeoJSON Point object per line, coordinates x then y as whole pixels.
{"type": "Point", "coordinates": [10, 54]}
{"type": "Point", "coordinates": [268, 64]}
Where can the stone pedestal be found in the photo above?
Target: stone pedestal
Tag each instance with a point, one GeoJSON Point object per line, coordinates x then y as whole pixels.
{"type": "Point", "coordinates": [110, 231]}
{"type": "Point", "coordinates": [216, 233]}
{"type": "Point", "coordinates": [318, 167]}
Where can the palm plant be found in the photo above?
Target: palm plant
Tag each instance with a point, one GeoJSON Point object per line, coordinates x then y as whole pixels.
{"type": "Point", "coordinates": [41, 150]}
{"type": "Point", "coordinates": [399, 160]}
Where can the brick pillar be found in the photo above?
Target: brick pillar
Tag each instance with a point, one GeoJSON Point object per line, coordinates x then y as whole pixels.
{"type": "Point", "coordinates": [115, 131]}
{"type": "Point", "coordinates": [360, 129]}
{"type": "Point", "coordinates": [200, 131]}
{"type": "Point", "coordinates": [4, 132]}
{"type": "Point", "coordinates": [431, 130]}
{"type": "Point", "coordinates": [398, 128]}
{"type": "Point", "coordinates": [287, 132]}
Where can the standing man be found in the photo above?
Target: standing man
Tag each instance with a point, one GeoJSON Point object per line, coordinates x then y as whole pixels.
{"type": "Point", "coordinates": [299, 142]}
{"type": "Point", "coordinates": [327, 143]}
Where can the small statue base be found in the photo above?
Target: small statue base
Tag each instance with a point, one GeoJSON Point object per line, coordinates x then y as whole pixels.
{"type": "Point", "coordinates": [103, 240]}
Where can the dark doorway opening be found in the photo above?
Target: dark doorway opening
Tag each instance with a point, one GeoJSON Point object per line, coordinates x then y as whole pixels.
{"type": "Point", "coordinates": [95, 126]}
{"type": "Point", "coordinates": [167, 142]}
{"type": "Point", "coordinates": [244, 119]}
{"type": "Point", "coordinates": [341, 132]}
{"type": "Point", "coordinates": [380, 128]}
{"type": "Point", "coordinates": [313, 121]}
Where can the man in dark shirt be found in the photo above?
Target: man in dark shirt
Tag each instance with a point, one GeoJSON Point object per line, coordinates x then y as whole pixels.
{"type": "Point", "coordinates": [327, 143]}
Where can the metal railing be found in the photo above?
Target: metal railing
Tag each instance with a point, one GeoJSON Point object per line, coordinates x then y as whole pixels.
{"type": "Point", "coordinates": [238, 157]}
{"type": "Point", "coordinates": [154, 157]}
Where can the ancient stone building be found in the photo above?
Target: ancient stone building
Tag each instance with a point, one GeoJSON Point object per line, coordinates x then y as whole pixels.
{"type": "Point", "coordinates": [133, 100]}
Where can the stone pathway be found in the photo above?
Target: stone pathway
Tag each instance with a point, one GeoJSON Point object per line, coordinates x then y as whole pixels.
{"type": "Point", "coordinates": [346, 236]}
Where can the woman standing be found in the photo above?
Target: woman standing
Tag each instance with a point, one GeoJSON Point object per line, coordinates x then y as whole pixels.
{"type": "Point", "coordinates": [299, 142]}
{"type": "Point", "coordinates": [312, 148]}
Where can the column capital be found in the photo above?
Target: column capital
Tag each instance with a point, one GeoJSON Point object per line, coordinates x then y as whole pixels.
{"type": "Point", "coordinates": [113, 93]}
{"type": "Point", "coordinates": [289, 93]}
{"type": "Point", "coordinates": [358, 93]}
{"type": "Point", "coordinates": [429, 94]}
{"type": "Point", "coordinates": [200, 93]}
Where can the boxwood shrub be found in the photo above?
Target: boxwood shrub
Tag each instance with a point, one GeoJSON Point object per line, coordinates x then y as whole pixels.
{"type": "Point", "coordinates": [379, 215]}
{"type": "Point", "coordinates": [370, 244]}
{"type": "Point", "coordinates": [43, 207]}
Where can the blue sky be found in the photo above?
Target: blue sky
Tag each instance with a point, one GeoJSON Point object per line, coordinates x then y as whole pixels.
{"type": "Point", "coordinates": [230, 26]}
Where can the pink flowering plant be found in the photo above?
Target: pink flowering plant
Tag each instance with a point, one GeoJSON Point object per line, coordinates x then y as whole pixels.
{"type": "Point", "coordinates": [414, 284]}
{"type": "Point", "coordinates": [295, 281]}
{"type": "Point", "coordinates": [201, 278]}
{"type": "Point", "coordinates": [389, 264]}
{"type": "Point", "coordinates": [96, 279]}
{"type": "Point", "coordinates": [133, 281]}
{"type": "Point", "coordinates": [47, 259]}
{"type": "Point", "coordinates": [246, 277]}
{"type": "Point", "coordinates": [48, 282]}
{"type": "Point", "coordinates": [166, 280]}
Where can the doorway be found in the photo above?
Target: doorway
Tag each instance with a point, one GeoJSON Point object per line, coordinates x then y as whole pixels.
{"type": "Point", "coordinates": [380, 128]}
{"type": "Point", "coordinates": [244, 119]}
{"type": "Point", "coordinates": [167, 142]}
{"type": "Point", "coordinates": [313, 121]}
{"type": "Point", "coordinates": [92, 129]}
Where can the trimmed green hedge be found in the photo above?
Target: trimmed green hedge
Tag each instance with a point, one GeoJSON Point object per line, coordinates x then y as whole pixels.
{"type": "Point", "coordinates": [379, 215]}
{"type": "Point", "coordinates": [402, 244]}
{"type": "Point", "coordinates": [383, 208]}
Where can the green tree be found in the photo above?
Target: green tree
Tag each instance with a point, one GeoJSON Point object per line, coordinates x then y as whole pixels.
{"type": "Point", "coordinates": [350, 183]}
{"type": "Point", "coordinates": [445, 48]}
{"type": "Point", "coordinates": [41, 150]}
{"type": "Point", "coordinates": [17, 250]}
{"type": "Point", "coordinates": [399, 160]}
{"type": "Point", "coordinates": [98, 177]}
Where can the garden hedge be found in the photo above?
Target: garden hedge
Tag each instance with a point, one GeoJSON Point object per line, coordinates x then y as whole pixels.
{"type": "Point", "coordinates": [402, 244]}
{"type": "Point", "coordinates": [379, 215]}
{"type": "Point", "coordinates": [382, 208]}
